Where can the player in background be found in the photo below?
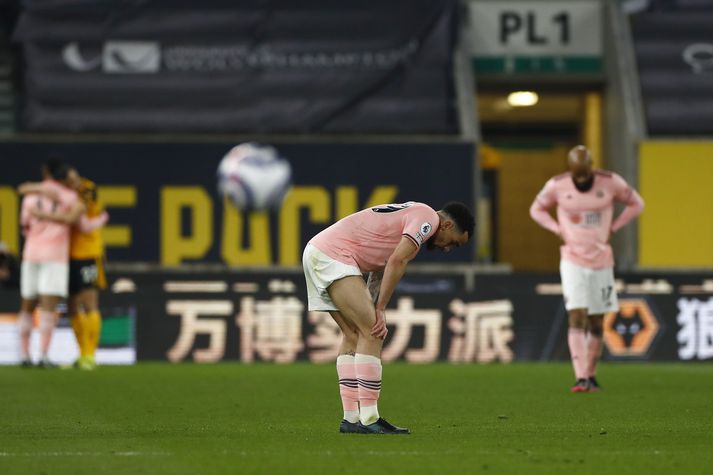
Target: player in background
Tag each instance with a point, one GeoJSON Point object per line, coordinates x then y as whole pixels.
{"type": "Point", "coordinates": [45, 257]}
{"type": "Point", "coordinates": [86, 274]}
{"type": "Point", "coordinates": [380, 239]}
{"type": "Point", "coordinates": [585, 209]}
{"type": "Point", "coordinates": [86, 266]}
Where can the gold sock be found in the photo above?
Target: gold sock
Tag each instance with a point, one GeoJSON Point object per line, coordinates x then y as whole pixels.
{"type": "Point", "coordinates": [80, 327]}
{"type": "Point", "coordinates": [95, 325]}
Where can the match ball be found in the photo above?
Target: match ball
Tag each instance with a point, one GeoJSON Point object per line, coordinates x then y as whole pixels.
{"type": "Point", "coordinates": [254, 177]}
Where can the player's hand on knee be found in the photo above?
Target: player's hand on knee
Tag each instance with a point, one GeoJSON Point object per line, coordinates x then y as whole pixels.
{"type": "Point", "coordinates": [379, 329]}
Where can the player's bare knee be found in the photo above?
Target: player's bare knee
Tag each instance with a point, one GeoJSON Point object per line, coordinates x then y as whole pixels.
{"type": "Point", "coordinates": [363, 330]}
{"type": "Point", "coordinates": [596, 325]}
{"type": "Point", "coordinates": [368, 337]}
{"type": "Point", "coordinates": [28, 305]}
{"type": "Point", "coordinates": [351, 337]}
{"type": "Point", "coordinates": [578, 319]}
{"type": "Point", "coordinates": [47, 322]}
{"type": "Point", "coordinates": [24, 323]}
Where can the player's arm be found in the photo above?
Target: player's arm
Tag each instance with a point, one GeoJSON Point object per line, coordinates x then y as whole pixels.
{"type": "Point", "coordinates": [69, 217]}
{"type": "Point", "coordinates": [634, 206]}
{"type": "Point", "coordinates": [25, 216]}
{"type": "Point", "coordinates": [87, 224]}
{"type": "Point", "coordinates": [29, 187]}
{"type": "Point", "coordinates": [394, 270]}
{"type": "Point", "coordinates": [539, 211]}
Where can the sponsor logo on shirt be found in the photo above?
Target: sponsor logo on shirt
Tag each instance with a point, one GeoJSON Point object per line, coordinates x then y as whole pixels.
{"type": "Point", "coordinates": [588, 219]}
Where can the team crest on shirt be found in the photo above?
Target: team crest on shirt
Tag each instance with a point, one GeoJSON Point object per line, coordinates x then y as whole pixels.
{"type": "Point", "coordinates": [426, 229]}
{"type": "Point", "coordinates": [600, 194]}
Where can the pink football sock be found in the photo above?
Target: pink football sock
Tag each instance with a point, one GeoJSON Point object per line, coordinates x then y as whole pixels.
{"type": "Point", "coordinates": [368, 373]}
{"type": "Point", "coordinates": [594, 352]}
{"type": "Point", "coordinates": [578, 352]}
{"type": "Point", "coordinates": [346, 371]}
{"type": "Point", "coordinates": [47, 324]}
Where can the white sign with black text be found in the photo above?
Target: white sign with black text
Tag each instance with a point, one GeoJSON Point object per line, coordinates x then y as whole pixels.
{"type": "Point", "coordinates": [537, 28]}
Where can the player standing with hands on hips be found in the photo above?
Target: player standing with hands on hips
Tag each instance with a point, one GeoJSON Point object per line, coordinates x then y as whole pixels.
{"type": "Point", "coordinates": [383, 238]}
{"type": "Point", "coordinates": [585, 210]}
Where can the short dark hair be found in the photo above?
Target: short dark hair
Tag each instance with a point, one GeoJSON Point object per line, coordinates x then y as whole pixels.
{"type": "Point", "coordinates": [56, 168]}
{"type": "Point", "coordinates": [461, 215]}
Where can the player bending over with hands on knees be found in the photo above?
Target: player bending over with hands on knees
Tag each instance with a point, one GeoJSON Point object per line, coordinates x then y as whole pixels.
{"type": "Point", "coordinates": [384, 239]}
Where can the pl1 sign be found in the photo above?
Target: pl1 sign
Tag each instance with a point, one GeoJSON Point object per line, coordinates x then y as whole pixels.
{"type": "Point", "coordinates": [547, 36]}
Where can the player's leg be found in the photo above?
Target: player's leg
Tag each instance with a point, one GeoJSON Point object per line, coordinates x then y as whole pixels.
{"type": "Point", "coordinates": [350, 295]}
{"type": "Point", "coordinates": [89, 299]}
{"type": "Point", "coordinates": [48, 321]}
{"type": "Point", "coordinates": [594, 349]}
{"type": "Point", "coordinates": [346, 372]}
{"type": "Point", "coordinates": [319, 272]}
{"type": "Point", "coordinates": [53, 285]}
{"type": "Point", "coordinates": [574, 288]}
{"type": "Point", "coordinates": [577, 342]}
{"type": "Point", "coordinates": [603, 300]}
{"type": "Point", "coordinates": [75, 311]}
{"type": "Point", "coordinates": [29, 275]}
{"type": "Point", "coordinates": [353, 300]}
{"type": "Point", "coordinates": [24, 323]}
{"type": "Point", "coordinates": [76, 319]}
{"type": "Point", "coordinates": [95, 282]}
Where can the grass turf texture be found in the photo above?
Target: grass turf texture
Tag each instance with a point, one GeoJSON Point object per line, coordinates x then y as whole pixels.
{"type": "Point", "coordinates": [231, 418]}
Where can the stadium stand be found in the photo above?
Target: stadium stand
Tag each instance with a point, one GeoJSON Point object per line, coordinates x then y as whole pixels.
{"type": "Point", "coordinates": [674, 54]}
{"type": "Point", "coordinates": [133, 74]}
{"type": "Point", "coordinates": [7, 102]}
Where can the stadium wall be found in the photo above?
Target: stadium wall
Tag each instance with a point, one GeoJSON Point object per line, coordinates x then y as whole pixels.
{"type": "Point", "coordinates": [676, 229]}
{"type": "Point", "coordinates": [260, 315]}
{"type": "Point", "coordinates": [165, 208]}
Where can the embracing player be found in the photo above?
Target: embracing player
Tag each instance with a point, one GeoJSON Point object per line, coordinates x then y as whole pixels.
{"type": "Point", "coordinates": [86, 273]}
{"type": "Point", "coordinates": [86, 264]}
{"type": "Point", "coordinates": [375, 240]}
{"type": "Point", "coordinates": [44, 272]}
{"type": "Point", "coordinates": [585, 209]}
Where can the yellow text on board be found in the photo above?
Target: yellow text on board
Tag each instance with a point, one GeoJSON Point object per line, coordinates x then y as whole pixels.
{"type": "Point", "coordinates": [192, 207]}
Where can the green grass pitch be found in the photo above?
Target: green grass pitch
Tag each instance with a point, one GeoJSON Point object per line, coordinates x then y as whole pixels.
{"type": "Point", "coordinates": [232, 418]}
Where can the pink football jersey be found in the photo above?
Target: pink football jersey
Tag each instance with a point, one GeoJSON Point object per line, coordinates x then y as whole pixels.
{"type": "Point", "coordinates": [45, 240]}
{"type": "Point", "coordinates": [366, 239]}
{"type": "Point", "coordinates": [584, 219]}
